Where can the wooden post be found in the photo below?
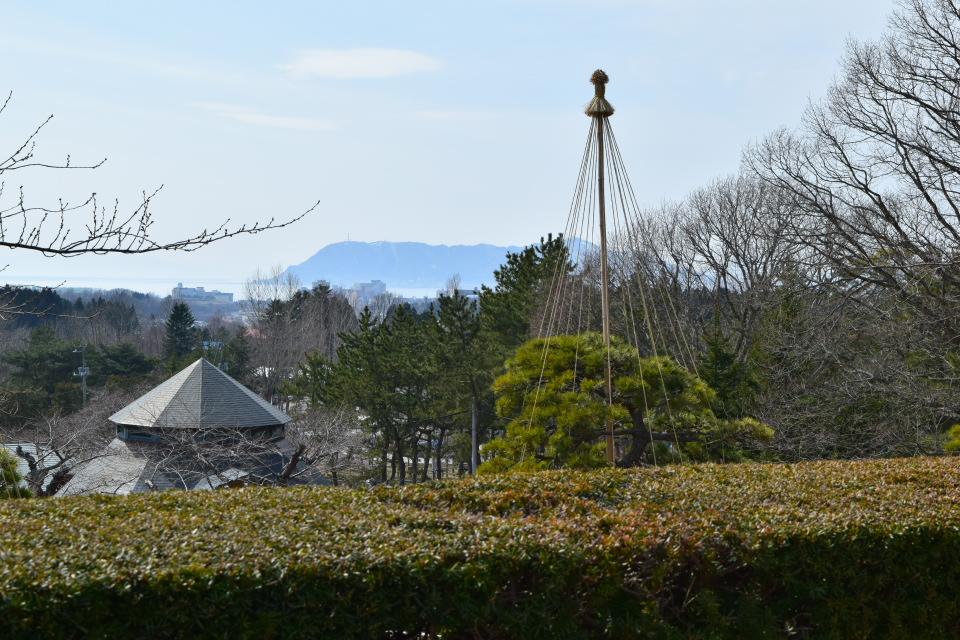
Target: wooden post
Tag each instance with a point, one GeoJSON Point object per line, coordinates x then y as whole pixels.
{"type": "Point", "coordinates": [605, 287]}
{"type": "Point", "coordinates": [600, 110]}
{"type": "Point", "coordinates": [474, 453]}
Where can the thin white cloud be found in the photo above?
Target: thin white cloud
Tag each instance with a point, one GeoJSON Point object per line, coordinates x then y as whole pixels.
{"type": "Point", "coordinates": [285, 122]}
{"type": "Point", "coordinates": [252, 116]}
{"type": "Point", "coordinates": [219, 106]}
{"type": "Point", "coordinates": [368, 62]}
{"type": "Point", "coordinates": [458, 116]}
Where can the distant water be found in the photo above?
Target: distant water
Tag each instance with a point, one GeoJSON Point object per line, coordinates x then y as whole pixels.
{"type": "Point", "coordinates": [159, 286]}
{"type": "Point", "coordinates": [163, 286]}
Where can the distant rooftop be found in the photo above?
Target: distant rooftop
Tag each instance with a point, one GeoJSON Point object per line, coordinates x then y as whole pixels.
{"type": "Point", "coordinates": [200, 397]}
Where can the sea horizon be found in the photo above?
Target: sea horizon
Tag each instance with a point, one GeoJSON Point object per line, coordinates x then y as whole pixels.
{"type": "Point", "coordinates": [163, 287]}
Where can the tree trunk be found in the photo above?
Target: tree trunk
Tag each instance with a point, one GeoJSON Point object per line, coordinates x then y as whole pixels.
{"type": "Point", "coordinates": [291, 466]}
{"type": "Point", "coordinates": [639, 439]}
{"type": "Point", "coordinates": [438, 466]}
{"type": "Point", "coordinates": [426, 456]}
{"type": "Point", "coordinates": [401, 464]}
{"type": "Point", "coordinates": [416, 459]}
{"type": "Point", "coordinates": [383, 464]}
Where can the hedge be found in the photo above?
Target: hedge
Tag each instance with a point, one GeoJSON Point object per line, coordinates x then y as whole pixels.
{"type": "Point", "coordinates": [824, 550]}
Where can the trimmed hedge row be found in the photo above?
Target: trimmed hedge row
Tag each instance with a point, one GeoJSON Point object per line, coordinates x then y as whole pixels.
{"type": "Point", "coordinates": [835, 550]}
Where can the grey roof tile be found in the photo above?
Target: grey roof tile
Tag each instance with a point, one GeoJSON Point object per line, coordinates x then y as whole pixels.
{"type": "Point", "coordinates": [131, 467]}
{"type": "Point", "coordinates": [118, 469]}
{"type": "Point", "coordinates": [200, 397]}
{"type": "Point", "coordinates": [44, 458]}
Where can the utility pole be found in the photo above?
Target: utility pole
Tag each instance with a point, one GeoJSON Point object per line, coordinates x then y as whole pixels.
{"type": "Point", "coordinates": [83, 371]}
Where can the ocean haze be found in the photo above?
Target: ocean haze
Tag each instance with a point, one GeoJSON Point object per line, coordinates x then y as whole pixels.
{"type": "Point", "coordinates": [403, 265]}
{"type": "Point", "coordinates": [410, 269]}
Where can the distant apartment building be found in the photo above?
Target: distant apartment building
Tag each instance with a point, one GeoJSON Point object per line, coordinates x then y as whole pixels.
{"type": "Point", "coordinates": [367, 291]}
{"type": "Point", "coordinates": [334, 288]}
{"type": "Point", "coordinates": [360, 294]}
{"type": "Point", "coordinates": [198, 294]}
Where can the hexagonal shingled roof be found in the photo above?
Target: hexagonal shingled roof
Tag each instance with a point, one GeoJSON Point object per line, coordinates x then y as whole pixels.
{"type": "Point", "coordinates": [200, 397]}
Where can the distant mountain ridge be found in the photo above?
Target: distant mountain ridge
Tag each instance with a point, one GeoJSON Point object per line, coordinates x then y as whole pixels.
{"type": "Point", "coordinates": [403, 264]}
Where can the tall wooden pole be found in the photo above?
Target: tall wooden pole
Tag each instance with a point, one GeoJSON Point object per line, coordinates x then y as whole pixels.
{"type": "Point", "coordinates": [605, 284]}
{"type": "Point", "coordinates": [474, 450]}
{"type": "Point", "coordinates": [600, 110]}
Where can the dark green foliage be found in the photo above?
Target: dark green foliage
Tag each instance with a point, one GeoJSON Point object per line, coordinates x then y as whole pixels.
{"type": "Point", "coordinates": [35, 307]}
{"type": "Point", "coordinates": [556, 395]}
{"type": "Point", "coordinates": [123, 364]}
{"type": "Point", "coordinates": [21, 406]}
{"type": "Point", "coordinates": [732, 380]}
{"type": "Point", "coordinates": [46, 366]}
{"type": "Point", "coordinates": [521, 285]}
{"type": "Point", "coordinates": [415, 376]}
{"type": "Point", "coordinates": [384, 370]}
{"type": "Point", "coordinates": [47, 363]}
{"type": "Point", "coordinates": [10, 477]}
{"type": "Point", "coordinates": [465, 362]}
{"type": "Point", "coordinates": [181, 336]}
{"type": "Point", "coordinates": [310, 380]}
{"type": "Point", "coordinates": [43, 375]}
{"type": "Point", "coordinates": [238, 357]}
{"type": "Point", "coordinates": [817, 550]}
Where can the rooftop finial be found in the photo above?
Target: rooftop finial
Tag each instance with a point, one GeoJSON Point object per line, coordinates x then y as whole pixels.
{"type": "Point", "coordinates": [599, 107]}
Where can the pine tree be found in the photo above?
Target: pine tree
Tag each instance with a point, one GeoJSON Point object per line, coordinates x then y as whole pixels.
{"type": "Point", "coordinates": [43, 364]}
{"type": "Point", "coordinates": [237, 356]}
{"type": "Point", "coordinates": [733, 381]}
{"type": "Point", "coordinates": [555, 393]}
{"type": "Point", "coordinates": [464, 366]}
{"type": "Point", "coordinates": [181, 336]}
{"type": "Point", "coordinates": [521, 285]}
{"type": "Point", "coordinates": [384, 370]}
{"type": "Point", "coordinates": [10, 477]}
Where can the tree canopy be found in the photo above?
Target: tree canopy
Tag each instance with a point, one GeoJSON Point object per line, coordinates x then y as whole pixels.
{"type": "Point", "coordinates": [555, 393]}
{"type": "Point", "coordinates": [181, 336]}
{"type": "Point", "coordinates": [522, 283]}
{"type": "Point", "coordinates": [10, 477]}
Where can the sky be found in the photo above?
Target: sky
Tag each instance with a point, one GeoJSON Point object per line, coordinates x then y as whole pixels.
{"type": "Point", "coordinates": [429, 121]}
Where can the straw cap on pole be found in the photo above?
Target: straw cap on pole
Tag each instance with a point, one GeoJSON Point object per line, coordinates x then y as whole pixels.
{"type": "Point", "coordinates": [599, 107]}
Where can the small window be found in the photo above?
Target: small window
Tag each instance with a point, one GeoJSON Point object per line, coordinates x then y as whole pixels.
{"type": "Point", "coordinates": [138, 434]}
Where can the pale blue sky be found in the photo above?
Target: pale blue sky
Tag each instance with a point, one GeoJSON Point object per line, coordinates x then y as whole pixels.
{"type": "Point", "coordinates": [441, 122]}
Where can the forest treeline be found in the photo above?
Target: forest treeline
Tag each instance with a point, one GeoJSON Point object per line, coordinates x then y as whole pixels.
{"type": "Point", "coordinates": [807, 307]}
{"type": "Point", "coordinates": [815, 292]}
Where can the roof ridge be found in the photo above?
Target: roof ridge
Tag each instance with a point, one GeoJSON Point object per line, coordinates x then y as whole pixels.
{"type": "Point", "coordinates": [195, 398]}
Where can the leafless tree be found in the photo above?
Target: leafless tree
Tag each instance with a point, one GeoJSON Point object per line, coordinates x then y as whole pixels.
{"type": "Point", "coordinates": [151, 337]}
{"type": "Point", "coordinates": [729, 240]}
{"type": "Point", "coordinates": [452, 284]}
{"type": "Point", "coordinates": [288, 322]}
{"type": "Point", "coordinates": [263, 288]}
{"type": "Point", "coordinates": [54, 230]}
{"type": "Point", "coordinates": [383, 304]}
{"type": "Point", "coordinates": [320, 447]}
{"type": "Point", "coordinates": [329, 440]}
{"type": "Point", "coordinates": [213, 458]}
{"type": "Point", "coordinates": [840, 382]}
{"type": "Point", "coordinates": [872, 176]}
{"type": "Point", "coordinates": [56, 443]}
{"type": "Point", "coordinates": [275, 353]}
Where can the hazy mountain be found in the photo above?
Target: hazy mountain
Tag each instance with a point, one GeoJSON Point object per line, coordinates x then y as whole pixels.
{"type": "Point", "coordinates": [403, 264]}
